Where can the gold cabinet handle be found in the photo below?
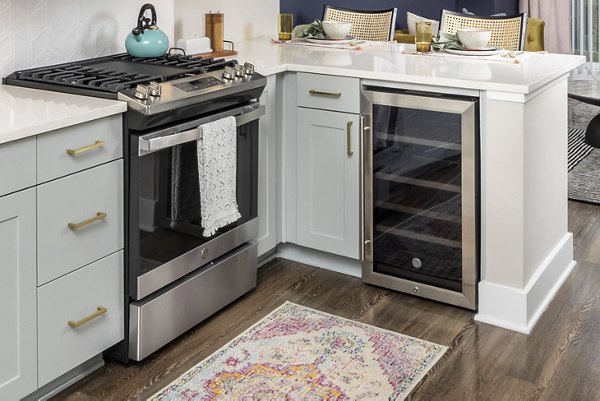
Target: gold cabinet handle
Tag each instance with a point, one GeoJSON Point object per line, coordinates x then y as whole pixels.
{"type": "Point", "coordinates": [349, 139]}
{"type": "Point", "coordinates": [96, 144]}
{"type": "Point", "coordinates": [97, 217]}
{"type": "Point", "coordinates": [321, 93]}
{"type": "Point", "coordinates": [100, 310]}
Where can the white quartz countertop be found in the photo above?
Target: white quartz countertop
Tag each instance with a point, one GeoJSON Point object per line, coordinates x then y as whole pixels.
{"type": "Point", "coordinates": [390, 62]}
{"type": "Point", "coordinates": [25, 112]}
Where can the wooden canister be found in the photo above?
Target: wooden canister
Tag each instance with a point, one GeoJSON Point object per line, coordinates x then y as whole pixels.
{"type": "Point", "coordinates": [214, 29]}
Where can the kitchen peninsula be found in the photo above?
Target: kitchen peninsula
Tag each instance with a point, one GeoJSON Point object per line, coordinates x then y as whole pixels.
{"type": "Point", "coordinates": [525, 249]}
{"type": "Point", "coordinates": [526, 252]}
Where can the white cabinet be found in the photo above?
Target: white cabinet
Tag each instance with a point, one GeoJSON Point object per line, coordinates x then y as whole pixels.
{"type": "Point", "coordinates": [74, 332]}
{"type": "Point", "coordinates": [52, 271]}
{"type": "Point", "coordinates": [267, 171]}
{"type": "Point", "coordinates": [328, 179]}
{"type": "Point", "coordinates": [18, 340]}
{"type": "Point", "coordinates": [325, 200]}
{"type": "Point", "coordinates": [80, 219]}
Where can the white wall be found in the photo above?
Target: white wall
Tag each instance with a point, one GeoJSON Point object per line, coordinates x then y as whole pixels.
{"type": "Point", "coordinates": [244, 19]}
{"type": "Point", "coordinates": [42, 32]}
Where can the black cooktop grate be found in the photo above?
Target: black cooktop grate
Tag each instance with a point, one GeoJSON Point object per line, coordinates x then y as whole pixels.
{"type": "Point", "coordinates": [116, 73]}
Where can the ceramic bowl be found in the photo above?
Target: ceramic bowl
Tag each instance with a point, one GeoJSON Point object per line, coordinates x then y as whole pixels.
{"type": "Point", "coordinates": [474, 38]}
{"type": "Point", "coordinates": [336, 30]}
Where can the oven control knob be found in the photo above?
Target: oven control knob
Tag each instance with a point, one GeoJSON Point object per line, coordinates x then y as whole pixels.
{"type": "Point", "coordinates": [228, 73]}
{"type": "Point", "coordinates": [155, 89]}
{"type": "Point", "coordinates": [204, 253]}
{"type": "Point", "coordinates": [248, 68]}
{"type": "Point", "coordinates": [142, 92]}
{"type": "Point", "coordinates": [239, 70]}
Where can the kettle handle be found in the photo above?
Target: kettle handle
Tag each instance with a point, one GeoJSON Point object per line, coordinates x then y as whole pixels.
{"type": "Point", "coordinates": [142, 22]}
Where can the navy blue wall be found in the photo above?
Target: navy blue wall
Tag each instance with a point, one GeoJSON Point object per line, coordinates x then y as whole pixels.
{"type": "Point", "coordinates": [306, 11]}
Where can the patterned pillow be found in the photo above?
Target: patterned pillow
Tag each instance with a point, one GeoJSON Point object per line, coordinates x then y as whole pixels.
{"type": "Point", "coordinates": [412, 19]}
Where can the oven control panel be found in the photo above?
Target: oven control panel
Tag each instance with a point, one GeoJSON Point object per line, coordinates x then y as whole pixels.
{"type": "Point", "coordinates": [158, 97]}
{"type": "Point", "coordinates": [200, 83]}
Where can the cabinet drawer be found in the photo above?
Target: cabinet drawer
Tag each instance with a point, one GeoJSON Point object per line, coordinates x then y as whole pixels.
{"type": "Point", "coordinates": [17, 165]}
{"type": "Point", "coordinates": [80, 219]}
{"type": "Point", "coordinates": [78, 147]}
{"type": "Point", "coordinates": [72, 298]}
{"type": "Point", "coordinates": [328, 92]}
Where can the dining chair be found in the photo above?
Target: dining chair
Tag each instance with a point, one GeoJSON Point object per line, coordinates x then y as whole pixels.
{"type": "Point", "coordinates": [376, 25]}
{"type": "Point", "coordinates": [508, 32]}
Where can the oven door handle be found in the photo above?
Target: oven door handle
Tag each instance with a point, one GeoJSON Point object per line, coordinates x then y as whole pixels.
{"type": "Point", "coordinates": [152, 143]}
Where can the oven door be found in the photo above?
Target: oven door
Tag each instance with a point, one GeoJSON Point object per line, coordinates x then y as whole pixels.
{"type": "Point", "coordinates": [166, 239]}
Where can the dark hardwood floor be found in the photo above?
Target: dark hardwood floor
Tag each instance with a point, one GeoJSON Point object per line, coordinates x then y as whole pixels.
{"type": "Point", "coordinates": [559, 360]}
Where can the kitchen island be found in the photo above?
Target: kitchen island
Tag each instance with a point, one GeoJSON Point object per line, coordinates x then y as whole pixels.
{"type": "Point", "coordinates": [526, 252]}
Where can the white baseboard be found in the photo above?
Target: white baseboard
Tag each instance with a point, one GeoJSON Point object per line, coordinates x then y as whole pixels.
{"type": "Point", "coordinates": [520, 309]}
{"type": "Point", "coordinates": [320, 259]}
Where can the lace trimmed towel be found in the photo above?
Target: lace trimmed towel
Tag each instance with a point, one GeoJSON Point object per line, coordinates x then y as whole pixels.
{"type": "Point", "coordinates": [217, 169]}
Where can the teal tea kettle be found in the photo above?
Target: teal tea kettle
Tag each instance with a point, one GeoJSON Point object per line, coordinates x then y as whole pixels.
{"type": "Point", "coordinates": [146, 40]}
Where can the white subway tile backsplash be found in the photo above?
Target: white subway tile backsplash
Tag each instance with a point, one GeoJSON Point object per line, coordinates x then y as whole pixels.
{"type": "Point", "coordinates": [42, 32]}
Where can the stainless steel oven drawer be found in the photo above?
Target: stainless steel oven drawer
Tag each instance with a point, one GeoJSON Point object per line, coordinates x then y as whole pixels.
{"type": "Point", "coordinates": [159, 319]}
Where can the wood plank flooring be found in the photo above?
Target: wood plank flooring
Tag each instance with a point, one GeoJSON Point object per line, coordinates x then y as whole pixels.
{"type": "Point", "coordinates": [559, 360]}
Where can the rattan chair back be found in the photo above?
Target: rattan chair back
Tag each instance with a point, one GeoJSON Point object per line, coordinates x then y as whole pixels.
{"type": "Point", "coordinates": [507, 32]}
{"type": "Point", "coordinates": [366, 25]}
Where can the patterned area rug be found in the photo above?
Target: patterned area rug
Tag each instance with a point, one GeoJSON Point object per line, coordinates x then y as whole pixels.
{"type": "Point", "coordinates": [584, 169]}
{"type": "Point", "coordinates": [297, 353]}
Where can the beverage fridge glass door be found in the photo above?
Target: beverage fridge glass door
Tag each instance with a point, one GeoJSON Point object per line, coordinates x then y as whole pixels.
{"type": "Point", "coordinates": [420, 194]}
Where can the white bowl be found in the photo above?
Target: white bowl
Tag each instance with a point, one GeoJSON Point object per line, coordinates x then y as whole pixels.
{"type": "Point", "coordinates": [474, 38]}
{"type": "Point", "coordinates": [336, 30]}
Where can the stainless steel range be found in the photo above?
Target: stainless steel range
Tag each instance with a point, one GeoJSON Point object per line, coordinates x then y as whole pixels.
{"type": "Point", "coordinates": [175, 277]}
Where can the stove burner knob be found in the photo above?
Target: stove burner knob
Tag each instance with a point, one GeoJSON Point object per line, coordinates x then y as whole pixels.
{"type": "Point", "coordinates": [155, 89]}
{"type": "Point", "coordinates": [248, 68]}
{"type": "Point", "coordinates": [239, 70]}
{"type": "Point", "coordinates": [142, 92]}
{"type": "Point", "coordinates": [228, 73]}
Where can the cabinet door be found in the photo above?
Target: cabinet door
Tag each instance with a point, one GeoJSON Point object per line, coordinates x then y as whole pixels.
{"type": "Point", "coordinates": [18, 346]}
{"type": "Point", "coordinates": [267, 161]}
{"type": "Point", "coordinates": [328, 156]}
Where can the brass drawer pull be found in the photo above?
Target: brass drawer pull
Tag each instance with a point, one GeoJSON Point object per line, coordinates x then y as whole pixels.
{"type": "Point", "coordinates": [96, 144]}
{"type": "Point", "coordinates": [101, 310]}
{"type": "Point", "coordinates": [321, 93]}
{"type": "Point", "coordinates": [98, 216]}
{"type": "Point", "coordinates": [349, 139]}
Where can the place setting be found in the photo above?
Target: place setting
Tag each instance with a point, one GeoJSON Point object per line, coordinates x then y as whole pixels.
{"type": "Point", "coordinates": [329, 34]}
{"type": "Point", "coordinates": [471, 43]}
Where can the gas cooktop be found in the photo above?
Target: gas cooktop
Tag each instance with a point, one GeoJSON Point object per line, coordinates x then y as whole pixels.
{"type": "Point", "coordinates": [105, 76]}
{"type": "Point", "coordinates": [148, 85]}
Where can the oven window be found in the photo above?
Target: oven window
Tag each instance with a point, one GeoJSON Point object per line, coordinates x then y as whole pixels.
{"type": "Point", "coordinates": [168, 199]}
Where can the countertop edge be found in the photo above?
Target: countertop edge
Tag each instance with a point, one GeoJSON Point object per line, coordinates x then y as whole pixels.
{"type": "Point", "coordinates": [51, 125]}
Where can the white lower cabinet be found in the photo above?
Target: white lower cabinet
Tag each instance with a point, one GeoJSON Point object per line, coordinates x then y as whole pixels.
{"type": "Point", "coordinates": [80, 219]}
{"type": "Point", "coordinates": [18, 346]}
{"type": "Point", "coordinates": [80, 315]}
{"type": "Point", "coordinates": [61, 254]}
{"type": "Point", "coordinates": [328, 181]}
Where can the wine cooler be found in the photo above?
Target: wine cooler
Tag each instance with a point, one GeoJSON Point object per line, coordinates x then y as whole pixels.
{"type": "Point", "coordinates": [420, 194]}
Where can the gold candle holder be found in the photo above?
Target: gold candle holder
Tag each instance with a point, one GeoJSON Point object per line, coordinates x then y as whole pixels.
{"type": "Point", "coordinates": [423, 37]}
{"type": "Point", "coordinates": [286, 23]}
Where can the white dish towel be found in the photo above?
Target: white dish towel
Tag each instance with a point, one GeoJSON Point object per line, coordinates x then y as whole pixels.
{"type": "Point", "coordinates": [217, 171]}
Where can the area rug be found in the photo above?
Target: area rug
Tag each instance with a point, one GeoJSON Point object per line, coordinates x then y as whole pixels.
{"type": "Point", "coordinates": [584, 169]}
{"type": "Point", "coordinates": [578, 149]}
{"type": "Point", "coordinates": [298, 353]}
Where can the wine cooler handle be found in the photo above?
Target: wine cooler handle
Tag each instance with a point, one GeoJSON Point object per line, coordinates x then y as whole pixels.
{"type": "Point", "coordinates": [367, 136]}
